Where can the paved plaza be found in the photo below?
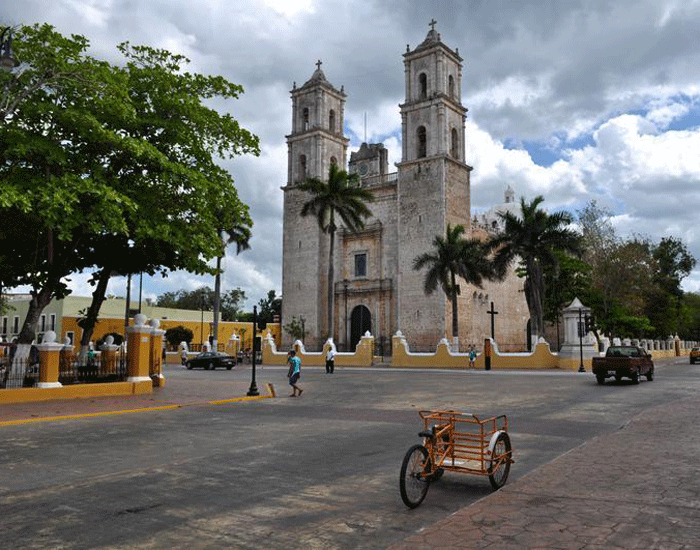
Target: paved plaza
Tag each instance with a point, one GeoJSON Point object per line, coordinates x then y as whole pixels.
{"type": "Point", "coordinates": [196, 466]}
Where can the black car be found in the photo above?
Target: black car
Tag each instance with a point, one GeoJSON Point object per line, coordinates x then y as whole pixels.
{"type": "Point", "coordinates": [210, 360]}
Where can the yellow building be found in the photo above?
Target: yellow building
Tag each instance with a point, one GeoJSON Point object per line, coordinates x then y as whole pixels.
{"type": "Point", "coordinates": [61, 316]}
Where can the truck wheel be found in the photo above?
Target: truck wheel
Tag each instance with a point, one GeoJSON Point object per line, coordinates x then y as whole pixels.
{"type": "Point", "coordinates": [600, 378]}
{"type": "Point", "coordinates": [635, 378]}
{"type": "Point", "coordinates": [650, 375]}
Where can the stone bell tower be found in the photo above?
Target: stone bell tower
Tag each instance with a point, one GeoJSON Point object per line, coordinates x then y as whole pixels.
{"type": "Point", "coordinates": [433, 180]}
{"type": "Point", "coordinates": [316, 142]}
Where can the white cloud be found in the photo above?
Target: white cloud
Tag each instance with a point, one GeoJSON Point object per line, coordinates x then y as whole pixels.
{"type": "Point", "coordinates": [595, 83]}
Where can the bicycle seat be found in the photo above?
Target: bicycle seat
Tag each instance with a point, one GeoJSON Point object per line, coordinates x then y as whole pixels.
{"type": "Point", "coordinates": [426, 433]}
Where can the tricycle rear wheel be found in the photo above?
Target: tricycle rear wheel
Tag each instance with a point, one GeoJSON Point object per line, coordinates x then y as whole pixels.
{"type": "Point", "coordinates": [499, 466]}
{"type": "Point", "coordinates": [414, 479]}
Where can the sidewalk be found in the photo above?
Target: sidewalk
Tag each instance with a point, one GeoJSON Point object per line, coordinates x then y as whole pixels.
{"type": "Point", "coordinates": [635, 488]}
{"type": "Point", "coordinates": [171, 396]}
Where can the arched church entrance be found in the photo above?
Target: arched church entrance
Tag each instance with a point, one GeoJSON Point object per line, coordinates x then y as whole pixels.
{"type": "Point", "coordinates": [360, 322]}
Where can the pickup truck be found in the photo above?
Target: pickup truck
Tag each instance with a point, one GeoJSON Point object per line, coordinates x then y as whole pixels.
{"type": "Point", "coordinates": [628, 361]}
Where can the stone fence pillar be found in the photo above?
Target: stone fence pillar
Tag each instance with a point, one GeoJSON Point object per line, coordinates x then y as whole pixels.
{"type": "Point", "coordinates": [138, 350]}
{"type": "Point", "coordinates": [49, 359]}
{"type": "Point", "coordinates": [156, 356]}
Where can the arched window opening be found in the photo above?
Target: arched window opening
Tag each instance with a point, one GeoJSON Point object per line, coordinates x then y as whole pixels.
{"type": "Point", "coordinates": [302, 167]}
{"type": "Point", "coordinates": [360, 323]}
{"type": "Point", "coordinates": [422, 142]}
{"type": "Point", "coordinates": [331, 121]}
{"type": "Point", "coordinates": [454, 144]}
{"type": "Point", "coordinates": [423, 85]}
{"type": "Point", "coordinates": [334, 161]}
{"type": "Point", "coordinates": [451, 87]}
{"type": "Point", "coordinates": [305, 121]}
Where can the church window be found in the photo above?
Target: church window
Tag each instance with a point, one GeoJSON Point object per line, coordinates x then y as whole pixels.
{"type": "Point", "coordinates": [331, 121]}
{"type": "Point", "coordinates": [302, 167]}
{"type": "Point", "coordinates": [4, 325]}
{"type": "Point", "coordinates": [454, 145]}
{"type": "Point", "coordinates": [306, 118]}
{"type": "Point", "coordinates": [422, 142]}
{"type": "Point", "coordinates": [451, 86]}
{"type": "Point", "coordinates": [361, 265]}
{"type": "Point", "coordinates": [423, 85]}
{"type": "Point", "coordinates": [15, 324]}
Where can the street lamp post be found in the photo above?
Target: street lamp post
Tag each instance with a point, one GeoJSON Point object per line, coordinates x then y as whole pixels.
{"type": "Point", "coordinates": [7, 58]}
{"type": "Point", "coordinates": [253, 390]}
{"type": "Point", "coordinates": [580, 339]}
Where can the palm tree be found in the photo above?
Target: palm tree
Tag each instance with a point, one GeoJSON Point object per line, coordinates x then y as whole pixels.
{"type": "Point", "coordinates": [341, 196]}
{"type": "Point", "coordinates": [534, 238]}
{"type": "Point", "coordinates": [452, 257]}
{"type": "Point", "coordinates": [239, 233]}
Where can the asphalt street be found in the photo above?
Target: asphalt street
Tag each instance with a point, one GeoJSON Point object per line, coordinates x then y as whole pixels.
{"type": "Point", "coordinates": [319, 471]}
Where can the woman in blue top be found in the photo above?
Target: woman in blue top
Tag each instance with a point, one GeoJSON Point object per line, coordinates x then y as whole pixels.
{"type": "Point", "coordinates": [294, 372]}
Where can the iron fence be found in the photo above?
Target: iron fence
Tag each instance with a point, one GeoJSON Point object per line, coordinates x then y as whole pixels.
{"type": "Point", "coordinates": [18, 373]}
{"type": "Point", "coordinates": [382, 348]}
{"type": "Point", "coordinates": [72, 370]}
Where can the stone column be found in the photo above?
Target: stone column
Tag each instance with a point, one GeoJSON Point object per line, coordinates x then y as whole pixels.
{"type": "Point", "coordinates": [49, 358]}
{"type": "Point", "coordinates": [138, 350]}
{"type": "Point", "coordinates": [156, 362]}
{"type": "Point", "coordinates": [575, 346]}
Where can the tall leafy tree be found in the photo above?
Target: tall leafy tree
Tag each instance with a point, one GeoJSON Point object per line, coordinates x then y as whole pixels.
{"type": "Point", "coordinates": [664, 302]}
{"type": "Point", "coordinates": [203, 298]}
{"type": "Point", "coordinates": [339, 197]}
{"type": "Point", "coordinates": [269, 307]}
{"type": "Point", "coordinates": [113, 163]}
{"type": "Point", "coordinates": [533, 238]}
{"type": "Point", "coordinates": [454, 256]}
{"type": "Point", "coordinates": [238, 233]}
{"type": "Point", "coordinates": [50, 163]}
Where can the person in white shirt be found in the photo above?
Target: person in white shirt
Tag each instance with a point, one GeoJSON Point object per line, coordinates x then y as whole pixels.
{"type": "Point", "coordinates": [330, 360]}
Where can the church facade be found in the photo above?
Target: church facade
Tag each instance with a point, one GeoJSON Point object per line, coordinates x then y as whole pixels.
{"type": "Point", "coordinates": [376, 288]}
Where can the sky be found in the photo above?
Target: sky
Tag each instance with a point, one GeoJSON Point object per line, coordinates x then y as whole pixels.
{"type": "Point", "coordinates": [574, 100]}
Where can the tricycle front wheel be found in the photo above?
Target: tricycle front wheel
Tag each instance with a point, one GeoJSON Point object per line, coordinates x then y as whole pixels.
{"type": "Point", "coordinates": [414, 479]}
{"type": "Point", "coordinates": [499, 466]}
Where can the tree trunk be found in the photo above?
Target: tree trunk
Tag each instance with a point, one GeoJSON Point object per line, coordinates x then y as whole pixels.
{"type": "Point", "coordinates": [90, 320]}
{"type": "Point", "coordinates": [455, 317]}
{"type": "Point", "coordinates": [26, 336]}
{"type": "Point", "coordinates": [330, 279]}
{"type": "Point", "coordinates": [534, 291]}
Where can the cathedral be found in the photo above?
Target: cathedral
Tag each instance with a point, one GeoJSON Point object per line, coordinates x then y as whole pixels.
{"type": "Point", "coordinates": [376, 288]}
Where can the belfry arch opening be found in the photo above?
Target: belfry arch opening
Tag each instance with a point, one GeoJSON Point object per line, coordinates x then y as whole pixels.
{"type": "Point", "coordinates": [422, 142]}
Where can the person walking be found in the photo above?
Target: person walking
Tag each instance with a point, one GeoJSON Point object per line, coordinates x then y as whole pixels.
{"type": "Point", "coordinates": [330, 360]}
{"type": "Point", "coordinates": [294, 373]}
{"type": "Point", "coordinates": [472, 357]}
{"type": "Point", "coordinates": [183, 354]}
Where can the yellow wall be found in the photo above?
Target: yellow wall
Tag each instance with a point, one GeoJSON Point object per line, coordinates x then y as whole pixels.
{"type": "Point", "coordinates": [226, 329]}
